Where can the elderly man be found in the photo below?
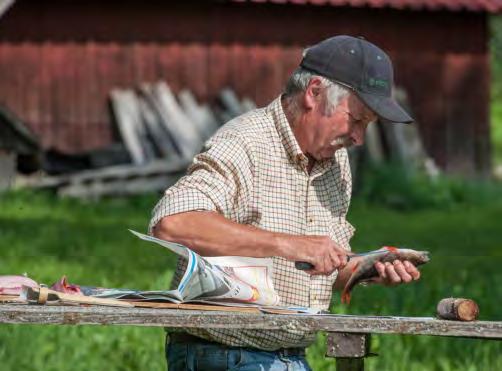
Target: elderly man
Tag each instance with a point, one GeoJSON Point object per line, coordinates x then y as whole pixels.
{"type": "Point", "coordinates": [275, 182]}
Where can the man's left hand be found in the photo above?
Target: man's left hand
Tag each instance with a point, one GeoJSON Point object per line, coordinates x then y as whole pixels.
{"type": "Point", "coordinates": [391, 274]}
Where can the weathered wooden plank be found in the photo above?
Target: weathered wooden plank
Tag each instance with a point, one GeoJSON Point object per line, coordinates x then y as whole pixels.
{"type": "Point", "coordinates": [119, 187]}
{"type": "Point", "coordinates": [157, 130]}
{"type": "Point", "coordinates": [156, 167]}
{"type": "Point", "coordinates": [347, 345]}
{"type": "Point", "coordinates": [8, 162]}
{"type": "Point", "coordinates": [176, 121]}
{"type": "Point", "coordinates": [127, 116]}
{"type": "Point", "coordinates": [5, 5]}
{"type": "Point", "coordinates": [198, 114]}
{"type": "Point", "coordinates": [231, 102]}
{"type": "Point", "coordinates": [93, 315]}
{"type": "Point", "coordinates": [348, 349]}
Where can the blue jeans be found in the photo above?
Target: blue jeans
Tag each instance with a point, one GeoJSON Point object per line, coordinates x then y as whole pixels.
{"type": "Point", "coordinates": [216, 357]}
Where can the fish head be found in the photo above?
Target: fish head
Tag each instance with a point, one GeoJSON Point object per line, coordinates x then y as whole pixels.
{"type": "Point", "coordinates": [416, 257]}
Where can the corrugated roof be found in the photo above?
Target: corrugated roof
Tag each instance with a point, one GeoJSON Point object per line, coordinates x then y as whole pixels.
{"type": "Point", "coordinates": [491, 6]}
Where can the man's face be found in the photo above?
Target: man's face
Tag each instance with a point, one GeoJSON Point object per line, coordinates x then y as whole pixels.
{"type": "Point", "coordinates": [343, 126]}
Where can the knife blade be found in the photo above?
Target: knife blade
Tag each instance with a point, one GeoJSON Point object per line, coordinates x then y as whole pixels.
{"type": "Point", "coordinates": [304, 266]}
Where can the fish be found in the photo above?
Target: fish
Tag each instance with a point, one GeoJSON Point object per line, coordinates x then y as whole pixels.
{"type": "Point", "coordinates": [65, 287]}
{"type": "Point", "coordinates": [364, 270]}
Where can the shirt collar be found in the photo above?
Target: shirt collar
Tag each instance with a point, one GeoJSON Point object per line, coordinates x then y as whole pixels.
{"type": "Point", "coordinates": [286, 135]}
{"type": "Point", "coordinates": [289, 141]}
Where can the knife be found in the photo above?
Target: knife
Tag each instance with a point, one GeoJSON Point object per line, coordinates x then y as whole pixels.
{"type": "Point", "coordinates": [304, 266]}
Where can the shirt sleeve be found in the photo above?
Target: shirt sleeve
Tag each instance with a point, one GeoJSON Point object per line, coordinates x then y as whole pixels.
{"type": "Point", "coordinates": [220, 179]}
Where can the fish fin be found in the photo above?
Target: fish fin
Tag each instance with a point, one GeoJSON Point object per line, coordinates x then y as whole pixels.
{"type": "Point", "coordinates": [390, 248]}
{"type": "Point", "coordinates": [354, 268]}
{"type": "Point", "coordinates": [346, 297]}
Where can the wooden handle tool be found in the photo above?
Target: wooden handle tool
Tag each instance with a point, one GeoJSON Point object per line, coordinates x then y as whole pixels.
{"type": "Point", "coordinates": [44, 295]}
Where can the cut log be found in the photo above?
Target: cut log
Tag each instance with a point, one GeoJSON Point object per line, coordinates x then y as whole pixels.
{"type": "Point", "coordinates": [458, 309]}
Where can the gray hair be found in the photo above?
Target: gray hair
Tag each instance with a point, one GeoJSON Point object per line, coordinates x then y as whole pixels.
{"type": "Point", "coordinates": [299, 80]}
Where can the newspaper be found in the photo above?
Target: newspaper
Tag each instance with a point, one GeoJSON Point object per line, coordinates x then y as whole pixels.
{"type": "Point", "coordinates": [224, 280]}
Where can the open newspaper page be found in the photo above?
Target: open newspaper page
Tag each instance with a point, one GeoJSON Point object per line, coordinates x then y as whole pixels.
{"type": "Point", "coordinates": [222, 279]}
{"type": "Point", "coordinates": [243, 280]}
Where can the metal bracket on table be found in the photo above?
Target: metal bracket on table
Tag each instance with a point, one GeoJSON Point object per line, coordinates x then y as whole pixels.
{"type": "Point", "coordinates": [349, 349]}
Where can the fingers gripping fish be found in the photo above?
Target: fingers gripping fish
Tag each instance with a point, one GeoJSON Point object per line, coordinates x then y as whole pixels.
{"type": "Point", "coordinates": [364, 269]}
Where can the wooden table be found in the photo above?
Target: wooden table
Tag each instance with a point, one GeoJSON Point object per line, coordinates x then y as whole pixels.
{"type": "Point", "coordinates": [348, 335]}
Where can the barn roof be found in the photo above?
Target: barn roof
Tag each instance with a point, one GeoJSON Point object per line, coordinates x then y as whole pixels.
{"type": "Point", "coordinates": [490, 6]}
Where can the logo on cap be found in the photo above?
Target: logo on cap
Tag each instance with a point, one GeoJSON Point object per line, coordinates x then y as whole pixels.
{"type": "Point", "coordinates": [378, 82]}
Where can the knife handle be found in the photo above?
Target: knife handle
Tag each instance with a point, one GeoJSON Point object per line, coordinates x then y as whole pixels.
{"type": "Point", "coordinates": [303, 266]}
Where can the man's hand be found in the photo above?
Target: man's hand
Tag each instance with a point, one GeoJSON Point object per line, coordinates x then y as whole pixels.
{"type": "Point", "coordinates": [391, 274]}
{"type": "Point", "coordinates": [322, 252]}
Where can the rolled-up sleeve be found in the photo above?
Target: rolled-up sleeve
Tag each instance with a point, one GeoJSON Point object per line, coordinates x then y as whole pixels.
{"type": "Point", "coordinates": [220, 179]}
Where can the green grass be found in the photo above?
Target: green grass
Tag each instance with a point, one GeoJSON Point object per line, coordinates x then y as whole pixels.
{"type": "Point", "coordinates": [89, 242]}
{"type": "Point", "coordinates": [496, 131]}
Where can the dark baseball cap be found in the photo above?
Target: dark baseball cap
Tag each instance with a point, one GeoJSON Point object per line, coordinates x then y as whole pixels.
{"type": "Point", "coordinates": [360, 66]}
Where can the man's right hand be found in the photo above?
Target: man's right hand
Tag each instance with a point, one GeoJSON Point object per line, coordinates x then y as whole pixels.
{"type": "Point", "coordinates": [322, 252]}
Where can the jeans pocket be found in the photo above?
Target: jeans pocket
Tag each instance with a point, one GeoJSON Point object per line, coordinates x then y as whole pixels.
{"type": "Point", "coordinates": [235, 359]}
{"type": "Point", "coordinates": [211, 358]}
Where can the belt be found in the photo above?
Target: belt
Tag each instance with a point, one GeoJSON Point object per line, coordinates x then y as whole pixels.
{"type": "Point", "coordinates": [185, 338]}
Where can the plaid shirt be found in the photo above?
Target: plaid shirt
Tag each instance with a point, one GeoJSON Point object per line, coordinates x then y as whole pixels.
{"type": "Point", "coordinates": [253, 172]}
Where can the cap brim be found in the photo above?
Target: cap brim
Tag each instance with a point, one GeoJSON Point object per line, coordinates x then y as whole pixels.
{"type": "Point", "coordinates": [386, 108]}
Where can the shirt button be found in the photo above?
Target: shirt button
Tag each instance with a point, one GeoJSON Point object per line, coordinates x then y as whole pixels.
{"type": "Point", "coordinates": [311, 220]}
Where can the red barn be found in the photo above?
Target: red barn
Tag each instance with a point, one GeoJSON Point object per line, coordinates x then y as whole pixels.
{"type": "Point", "coordinates": [59, 59]}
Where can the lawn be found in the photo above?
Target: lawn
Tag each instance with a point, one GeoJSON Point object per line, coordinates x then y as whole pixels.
{"type": "Point", "coordinates": [89, 242]}
{"type": "Point", "coordinates": [496, 132]}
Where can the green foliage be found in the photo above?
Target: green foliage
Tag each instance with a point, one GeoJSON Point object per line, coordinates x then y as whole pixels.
{"type": "Point", "coordinates": [391, 186]}
{"type": "Point", "coordinates": [47, 237]}
{"type": "Point", "coordinates": [496, 134]}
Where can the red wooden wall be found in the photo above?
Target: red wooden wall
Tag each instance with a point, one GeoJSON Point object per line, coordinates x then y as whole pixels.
{"type": "Point", "coordinates": [59, 59]}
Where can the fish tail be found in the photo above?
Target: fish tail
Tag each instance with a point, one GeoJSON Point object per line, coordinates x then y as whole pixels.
{"type": "Point", "coordinates": [346, 297]}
